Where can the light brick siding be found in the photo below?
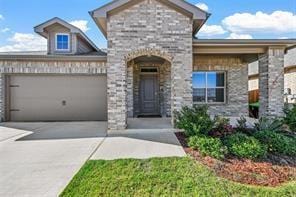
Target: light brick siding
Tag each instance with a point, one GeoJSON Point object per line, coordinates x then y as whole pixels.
{"type": "Point", "coordinates": [133, 84]}
{"type": "Point", "coordinates": [45, 67]}
{"type": "Point", "coordinates": [253, 84]}
{"type": "Point", "coordinates": [237, 82]}
{"type": "Point", "coordinates": [290, 82]}
{"type": "Point", "coordinates": [271, 82]}
{"type": "Point", "coordinates": [147, 26]}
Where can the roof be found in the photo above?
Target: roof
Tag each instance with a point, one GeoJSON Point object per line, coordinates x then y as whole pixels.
{"type": "Point", "coordinates": [239, 46]}
{"type": "Point", "coordinates": [244, 42]}
{"type": "Point", "coordinates": [42, 55]}
{"type": "Point", "coordinates": [40, 29]}
{"type": "Point", "coordinates": [100, 15]}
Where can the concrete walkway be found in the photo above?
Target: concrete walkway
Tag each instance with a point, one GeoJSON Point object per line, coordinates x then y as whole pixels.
{"type": "Point", "coordinates": [139, 144]}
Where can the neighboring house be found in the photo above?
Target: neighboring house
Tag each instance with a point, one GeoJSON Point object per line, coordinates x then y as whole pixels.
{"type": "Point", "coordinates": [289, 76]}
{"type": "Point", "coordinates": [154, 65]}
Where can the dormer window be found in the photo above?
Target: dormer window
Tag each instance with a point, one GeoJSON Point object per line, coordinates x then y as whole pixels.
{"type": "Point", "coordinates": [62, 42]}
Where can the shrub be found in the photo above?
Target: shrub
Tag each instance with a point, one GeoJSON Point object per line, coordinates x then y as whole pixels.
{"type": "Point", "coordinates": [290, 117]}
{"type": "Point", "coordinates": [208, 146]}
{"type": "Point", "coordinates": [277, 142]}
{"type": "Point", "coordinates": [265, 124]}
{"type": "Point", "coordinates": [194, 121]}
{"type": "Point", "coordinates": [222, 127]}
{"type": "Point", "coordinates": [244, 146]}
{"type": "Point", "coordinates": [241, 125]}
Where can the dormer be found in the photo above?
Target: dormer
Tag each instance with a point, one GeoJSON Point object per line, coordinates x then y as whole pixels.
{"type": "Point", "coordinates": [64, 38]}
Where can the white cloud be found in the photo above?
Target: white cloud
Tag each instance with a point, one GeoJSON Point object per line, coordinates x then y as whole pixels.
{"type": "Point", "coordinates": [240, 36]}
{"type": "Point", "coordinates": [202, 6]}
{"type": "Point", "coordinates": [25, 42]}
{"type": "Point", "coordinates": [276, 22]}
{"type": "Point", "coordinates": [211, 30]}
{"type": "Point", "coordinates": [1, 17]}
{"type": "Point", "coordinates": [4, 30]}
{"type": "Point", "coordinates": [81, 24]}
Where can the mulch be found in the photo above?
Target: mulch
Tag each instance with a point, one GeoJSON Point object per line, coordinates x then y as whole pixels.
{"type": "Point", "coordinates": [272, 171]}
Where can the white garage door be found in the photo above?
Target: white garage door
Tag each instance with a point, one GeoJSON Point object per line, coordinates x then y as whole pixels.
{"type": "Point", "coordinates": [57, 98]}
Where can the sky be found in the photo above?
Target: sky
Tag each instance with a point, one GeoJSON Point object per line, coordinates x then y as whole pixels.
{"type": "Point", "coordinates": [230, 19]}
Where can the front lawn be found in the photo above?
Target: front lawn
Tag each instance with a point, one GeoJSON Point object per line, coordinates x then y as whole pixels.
{"type": "Point", "coordinates": [160, 177]}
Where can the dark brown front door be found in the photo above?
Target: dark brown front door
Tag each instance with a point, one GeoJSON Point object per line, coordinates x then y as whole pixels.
{"type": "Point", "coordinates": [149, 104]}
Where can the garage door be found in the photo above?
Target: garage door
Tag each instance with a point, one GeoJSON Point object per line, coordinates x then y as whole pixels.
{"type": "Point", "coordinates": [57, 98]}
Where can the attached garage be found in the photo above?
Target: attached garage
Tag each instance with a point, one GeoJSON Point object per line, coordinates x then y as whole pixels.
{"type": "Point", "coordinates": [56, 97]}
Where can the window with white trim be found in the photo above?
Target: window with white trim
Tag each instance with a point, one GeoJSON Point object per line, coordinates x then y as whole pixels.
{"type": "Point", "coordinates": [209, 87]}
{"type": "Point", "coordinates": [62, 42]}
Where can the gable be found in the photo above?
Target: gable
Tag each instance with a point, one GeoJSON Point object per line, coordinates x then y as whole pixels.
{"type": "Point", "coordinates": [60, 26]}
{"type": "Point", "coordinates": [56, 27]}
{"type": "Point", "coordinates": [101, 14]}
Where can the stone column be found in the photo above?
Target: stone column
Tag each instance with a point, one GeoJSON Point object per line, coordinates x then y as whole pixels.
{"type": "Point", "coordinates": [271, 82]}
{"type": "Point", "coordinates": [117, 91]}
{"type": "Point", "coordinates": [181, 82]}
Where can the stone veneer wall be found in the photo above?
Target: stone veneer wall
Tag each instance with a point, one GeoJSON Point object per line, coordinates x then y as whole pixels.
{"type": "Point", "coordinates": [133, 87]}
{"type": "Point", "coordinates": [290, 81]}
{"type": "Point", "coordinates": [271, 82]}
{"type": "Point", "coordinates": [147, 28]}
{"type": "Point", "coordinates": [236, 82]}
{"type": "Point", "coordinates": [45, 67]}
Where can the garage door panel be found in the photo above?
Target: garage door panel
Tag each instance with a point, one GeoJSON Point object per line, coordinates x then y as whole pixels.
{"type": "Point", "coordinates": [58, 98]}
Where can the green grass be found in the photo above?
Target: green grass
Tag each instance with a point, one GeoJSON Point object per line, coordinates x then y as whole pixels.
{"type": "Point", "coordinates": [160, 177]}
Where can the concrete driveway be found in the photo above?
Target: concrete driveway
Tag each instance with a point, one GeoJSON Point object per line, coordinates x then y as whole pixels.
{"type": "Point", "coordinates": [40, 159]}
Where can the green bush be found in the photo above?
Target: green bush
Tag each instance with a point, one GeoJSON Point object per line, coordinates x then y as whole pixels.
{"type": "Point", "coordinates": [265, 124]}
{"type": "Point", "coordinates": [244, 146]}
{"type": "Point", "coordinates": [277, 142]}
{"type": "Point", "coordinates": [241, 125]}
{"type": "Point", "coordinates": [221, 127]}
{"type": "Point", "coordinates": [194, 121]}
{"type": "Point", "coordinates": [208, 146]}
{"type": "Point", "coordinates": [290, 117]}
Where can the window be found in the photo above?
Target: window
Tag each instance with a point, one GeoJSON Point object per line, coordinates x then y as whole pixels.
{"type": "Point", "coordinates": [62, 42]}
{"type": "Point", "coordinates": [208, 87]}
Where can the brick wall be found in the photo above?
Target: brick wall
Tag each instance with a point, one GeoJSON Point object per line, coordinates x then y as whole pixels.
{"type": "Point", "coordinates": [146, 28]}
{"type": "Point", "coordinates": [236, 86]}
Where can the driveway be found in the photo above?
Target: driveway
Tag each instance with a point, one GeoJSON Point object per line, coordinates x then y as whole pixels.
{"type": "Point", "coordinates": [39, 159]}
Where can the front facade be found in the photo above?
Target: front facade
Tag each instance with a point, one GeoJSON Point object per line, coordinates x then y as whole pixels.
{"type": "Point", "coordinates": [153, 66]}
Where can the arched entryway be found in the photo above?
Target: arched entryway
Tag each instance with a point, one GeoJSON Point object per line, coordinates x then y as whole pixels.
{"type": "Point", "coordinates": [149, 87]}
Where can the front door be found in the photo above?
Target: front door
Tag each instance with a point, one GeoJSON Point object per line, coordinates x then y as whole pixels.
{"type": "Point", "coordinates": [149, 91]}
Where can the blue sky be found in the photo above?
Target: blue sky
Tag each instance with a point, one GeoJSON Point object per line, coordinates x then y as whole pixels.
{"type": "Point", "coordinates": [229, 19]}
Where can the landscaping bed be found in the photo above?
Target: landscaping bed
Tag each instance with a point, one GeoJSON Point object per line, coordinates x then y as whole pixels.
{"type": "Point", "coordinates": [264, 154]}
{"type": "Point", "coordinates": [270, 171]}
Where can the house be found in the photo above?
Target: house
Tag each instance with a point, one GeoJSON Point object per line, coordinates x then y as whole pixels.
{"type": "Point", "coordinates": [154, 65]}
{"type": "Point", "coordinates": [289, 77]}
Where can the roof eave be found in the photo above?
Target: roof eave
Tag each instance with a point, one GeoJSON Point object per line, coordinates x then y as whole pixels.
{"type": "Point", "coordinates": [53, 57]}
{"type": "Point", "coordinates": [200, 26]}
{"type": "Point", "coordinates": [104, 31]}
{"type": "Point", "coordinates": [245, 42]}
